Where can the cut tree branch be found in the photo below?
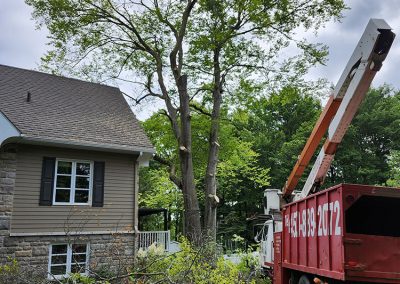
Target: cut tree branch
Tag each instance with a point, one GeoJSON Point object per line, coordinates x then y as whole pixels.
{"type": "Point", "coordinates": [172, 170]}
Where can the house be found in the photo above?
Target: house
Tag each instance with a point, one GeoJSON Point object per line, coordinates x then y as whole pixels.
{"type": "Point", "coordinates": [69, 157]}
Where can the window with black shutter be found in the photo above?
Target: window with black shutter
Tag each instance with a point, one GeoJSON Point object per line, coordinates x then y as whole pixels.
{"type": "Point", "coordinates": [72, 182]}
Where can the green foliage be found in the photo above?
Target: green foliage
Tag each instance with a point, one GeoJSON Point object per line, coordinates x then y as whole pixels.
{"type": "Point", "coordinates": [13, 273]}
{"type": "Point", "coordinates": [394, 169]}
{"type": "Point", "coordinates": [238, 164]}
{"type": "Point", "coordinates": [98, 39]}
{"type": "Point", "coordinates": [277, 128]}
{"type": "Point", "coordinates": [190, 265]}
{"type": "Point", "coordinates": [369, 149]}
{"type": "Point", "coordinates": [158, 191]}
{"type": "Point", "coordinates": [76, 278]}
{"type": "Point", "coordinates": [230, 47]}
{"type": "Point", "coordinates": [259, 146]}
{"type": "Point", "coordinates": [280, 126]}
{"type": "Point", "coordinates": [11, 267]}
{"type": "Point", "coordinates": [368, 153]}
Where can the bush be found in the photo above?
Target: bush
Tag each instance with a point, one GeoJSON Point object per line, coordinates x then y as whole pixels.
{"type": "Point", "coordinates": [13, 273]}
{"type": "Point", "coordinates": [198, 265]}
{"type": "Point", "coordinates": [192, 265]}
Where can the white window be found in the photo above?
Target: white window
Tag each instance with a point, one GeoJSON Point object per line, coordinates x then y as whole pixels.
{"type": "Point", "coordinates": [73, 182]}
{"type": "Point", "coordinates": [65, 259]}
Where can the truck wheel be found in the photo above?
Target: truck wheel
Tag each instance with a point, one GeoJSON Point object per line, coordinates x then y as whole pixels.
{"type": "Point", "coordinates": [304, 280]}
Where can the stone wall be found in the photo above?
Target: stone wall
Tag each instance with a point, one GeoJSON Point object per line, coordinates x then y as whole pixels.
{"type": "Point", "coordinates": [114, 252]}
{"type": "Point", "coordinates": [8, 166]}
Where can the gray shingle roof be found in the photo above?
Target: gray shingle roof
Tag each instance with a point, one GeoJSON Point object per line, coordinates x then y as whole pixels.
{"type": "Point", "coordinates": [68, 109]}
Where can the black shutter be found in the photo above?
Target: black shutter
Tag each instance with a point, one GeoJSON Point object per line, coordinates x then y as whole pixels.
{"type": "Point", "coordinates": [46, 187]}
{"type": "Point", "coordinates": [98, 184]}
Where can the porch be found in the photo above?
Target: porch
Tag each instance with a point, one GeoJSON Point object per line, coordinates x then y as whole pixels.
{"type": "Point", "coordinates": [160, 238]}
{"type": "Point", "coordinates": [147, 237]}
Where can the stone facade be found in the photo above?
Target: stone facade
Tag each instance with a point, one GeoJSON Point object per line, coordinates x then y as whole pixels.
{"type": "Point", "coordinates": [114, 252]}
{"type": "Point", "coordinates": [8, 167]}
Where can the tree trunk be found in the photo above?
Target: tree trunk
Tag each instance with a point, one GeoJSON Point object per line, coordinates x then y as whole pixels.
{"type": "Point", "coordinates": [191, 204]}
{"type": "Point", "coordinates": [211, 200]}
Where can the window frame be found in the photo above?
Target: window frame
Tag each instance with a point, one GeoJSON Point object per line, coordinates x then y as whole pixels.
{"type": "Point", "coordinates": [73, 180]}
{"type": "Point", "coordinates": [69, 263]}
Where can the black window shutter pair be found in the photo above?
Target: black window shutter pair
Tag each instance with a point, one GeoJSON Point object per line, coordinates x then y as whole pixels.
{"type": "Point", "coordinates": [47, 183]}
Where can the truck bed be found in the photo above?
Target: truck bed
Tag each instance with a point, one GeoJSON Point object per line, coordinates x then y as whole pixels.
{"type": "Point", "coordinates": [347, 232]}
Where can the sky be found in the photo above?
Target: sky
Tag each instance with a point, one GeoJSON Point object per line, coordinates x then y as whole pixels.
{"type": "Point", "coordinates": [22, 45]}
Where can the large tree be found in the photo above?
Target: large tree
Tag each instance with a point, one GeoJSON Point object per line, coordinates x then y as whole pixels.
{"type": "Point", "coordinates": [280, 126]}
{"type": "Point", "coordinates": [190, 55]}
{"type": "Point", "coordinates": [238, 164]}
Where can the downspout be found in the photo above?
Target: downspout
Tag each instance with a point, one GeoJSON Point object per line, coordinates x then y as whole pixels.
{"type": "Point", "coordinates": [136, 209]}
{"type": "Point", "coordinates": [142, 161]}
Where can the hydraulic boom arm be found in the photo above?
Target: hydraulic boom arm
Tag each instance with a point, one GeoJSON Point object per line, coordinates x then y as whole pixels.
{"type": "Point", "coordinates": [347, 96]}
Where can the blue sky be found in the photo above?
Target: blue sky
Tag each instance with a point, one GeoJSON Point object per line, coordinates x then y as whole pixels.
{"type": "Point", "coordinates": [22, 45]}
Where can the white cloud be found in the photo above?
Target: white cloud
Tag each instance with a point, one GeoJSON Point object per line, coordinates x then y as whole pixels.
{"type": "Point", "coordinates": [21, 45]}
{"type": "Point", "coordinates": [343, 37]}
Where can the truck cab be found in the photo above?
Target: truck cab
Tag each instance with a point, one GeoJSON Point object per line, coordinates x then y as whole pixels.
{"type": "Point", "coordinates": [274, 224]}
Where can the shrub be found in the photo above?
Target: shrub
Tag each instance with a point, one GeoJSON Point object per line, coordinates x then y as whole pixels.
{"type": "Point", "coordinates": [13, 273]}
{"type": "Point", "coordinates": [191, 265]}
{"type": "Point", "coordinates": [198, 265]}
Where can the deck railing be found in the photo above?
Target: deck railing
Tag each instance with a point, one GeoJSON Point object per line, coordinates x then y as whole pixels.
{"type": "Point", "coordinates": [146, 239]}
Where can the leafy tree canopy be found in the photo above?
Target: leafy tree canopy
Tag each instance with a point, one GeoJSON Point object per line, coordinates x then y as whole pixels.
{"type": "Point", "coordinates": [193, 54]}
{"type": "Point", "coordinates": [369, 148]}
{"type": "Point", "coordinates": [279, 126]}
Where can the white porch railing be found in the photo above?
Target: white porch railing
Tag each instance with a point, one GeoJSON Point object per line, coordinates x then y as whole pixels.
{"type": "Point", "coordinates": [146, 239]}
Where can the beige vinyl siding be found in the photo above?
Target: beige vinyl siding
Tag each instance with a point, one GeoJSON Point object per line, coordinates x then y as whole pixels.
{"type": "Point", "coordinates": [117, 214]}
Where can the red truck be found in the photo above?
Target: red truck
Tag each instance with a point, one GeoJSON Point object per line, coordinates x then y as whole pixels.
{"type": "Point", "coordinates": [347, 233]}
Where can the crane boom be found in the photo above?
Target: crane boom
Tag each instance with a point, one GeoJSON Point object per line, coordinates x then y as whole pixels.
{"type": "Point", "coordinates": [347, 96]}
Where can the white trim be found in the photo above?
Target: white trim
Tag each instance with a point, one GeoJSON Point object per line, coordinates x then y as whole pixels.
{"type": "Point", "coordinates": [7, 129]}
{"type": "Point", "coordinates": [70, 233]}
{"type": "Point", "coordinates": [87, 258]}
{"type": "Point", "coordinates": [144, 159]}
{"type": "Point", "coordinates": [49, 275]}
{"type": "Point", "coordinates": [38, 140]}
{"type": "Point", "coordinates": [73, 179]}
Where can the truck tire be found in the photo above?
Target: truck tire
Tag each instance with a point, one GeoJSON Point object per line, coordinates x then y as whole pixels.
{"type": "Point", "coordinates": [304, 280]}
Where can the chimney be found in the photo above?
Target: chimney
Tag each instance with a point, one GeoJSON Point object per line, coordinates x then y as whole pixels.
{"type": "Point", "coordinates": [28, 97]}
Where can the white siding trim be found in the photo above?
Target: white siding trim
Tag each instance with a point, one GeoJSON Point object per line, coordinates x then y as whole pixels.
{"type": "Point", "coordinates": [144, 159]}
{"type": "Point", "coordinates": [7, 129]}
{"type": "Point", "coordinates": [69, 233]}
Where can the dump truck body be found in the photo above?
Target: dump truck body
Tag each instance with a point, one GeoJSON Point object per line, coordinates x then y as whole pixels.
{"type": "Point", "coordinates": [347, 232]}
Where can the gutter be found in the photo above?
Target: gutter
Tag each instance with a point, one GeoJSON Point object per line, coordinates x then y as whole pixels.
{"type": "Point", "coordinates": [103, 147]}
{"type": "Point", "coordinates": [10, 134]}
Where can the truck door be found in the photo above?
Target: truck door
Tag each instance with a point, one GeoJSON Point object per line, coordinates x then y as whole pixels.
{"type": "Point", "coordinates": [266, 245]}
